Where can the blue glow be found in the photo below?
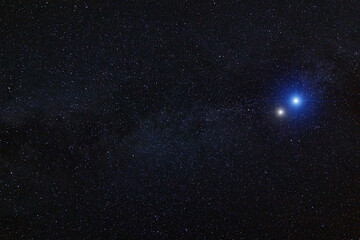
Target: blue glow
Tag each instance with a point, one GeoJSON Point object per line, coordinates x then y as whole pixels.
{"type": "Point", "coordinates": [296, 100]}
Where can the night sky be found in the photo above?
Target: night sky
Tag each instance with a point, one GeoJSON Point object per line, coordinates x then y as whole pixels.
{"type": "Point", "coordinates": [187, 120]}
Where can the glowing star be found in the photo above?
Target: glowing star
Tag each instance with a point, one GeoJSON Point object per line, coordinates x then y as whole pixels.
{"type": "Point", "coordinates": [296, 101]}
{"type": "Point", "coordinates": [280, 112]}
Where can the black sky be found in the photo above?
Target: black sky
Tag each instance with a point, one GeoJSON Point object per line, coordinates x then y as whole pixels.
{"type": "Point", "coordinates": [152, 120]}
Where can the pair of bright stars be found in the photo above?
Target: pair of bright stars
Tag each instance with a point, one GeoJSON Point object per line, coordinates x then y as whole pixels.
{"type": "Point", "coordinates": [295, 101]}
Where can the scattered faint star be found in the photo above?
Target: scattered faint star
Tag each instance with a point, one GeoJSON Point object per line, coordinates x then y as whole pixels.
{"type": "Point", "coordinates": [179, 119]}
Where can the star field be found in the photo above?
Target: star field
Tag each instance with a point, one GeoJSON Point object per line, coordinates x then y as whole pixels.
{"type": "Point", "coordinates": [187, 120]}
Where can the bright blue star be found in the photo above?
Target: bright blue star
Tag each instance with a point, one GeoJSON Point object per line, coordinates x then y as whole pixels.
{"type": "Point", "coordinates": [296, 101]}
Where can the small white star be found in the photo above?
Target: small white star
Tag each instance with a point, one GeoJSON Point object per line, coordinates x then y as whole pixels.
{"type": "Point", "coordinates": [280, 112]}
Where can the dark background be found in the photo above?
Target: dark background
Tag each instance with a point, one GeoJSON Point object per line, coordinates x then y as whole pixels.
{"type": "Point", "coordinates": [150, 120]}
